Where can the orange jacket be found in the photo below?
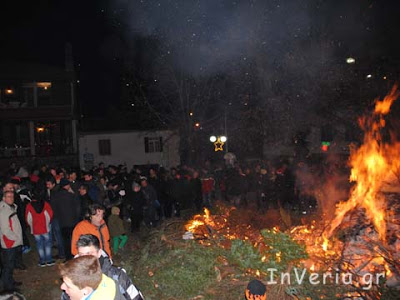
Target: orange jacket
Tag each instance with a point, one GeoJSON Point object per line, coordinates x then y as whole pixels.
{"type": "Point", "coordinates": [86, 227]}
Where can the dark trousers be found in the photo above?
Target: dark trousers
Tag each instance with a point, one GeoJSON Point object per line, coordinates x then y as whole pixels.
{"type": "Point", "coordinates": [136, 220]}
{"type": "Point", "coordinates": [8, 257]}
{"type": "Point", "coordinates": [19, 263]}
{"type": "Point", "coordinates": [57, 236]}
{"type": "Point", "coordinates": [66, 233]}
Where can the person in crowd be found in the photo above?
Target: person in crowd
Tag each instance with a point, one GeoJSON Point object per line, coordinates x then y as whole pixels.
{"type": "Point", "coordinates": [12, 170]}
{"type": "Point", "coordinates": [117, 230]}
{"type": "Point", "coordinates": [74, 182]}
{"type": "Point", "coordinates": [176, 192]}
{"type": "Point", "coordinates": [21, 199]}
{"type": "Point", "coordinates": [250, 187]}
{"type": "Point", "coordinates": [196, 188]}
{"type": "Point", "coordinates": [53, 172]}
{"type": "Point", "coordinates": [267, 187]}
{"type": "Point", "coordinates": [136, 204]}
{"type": "Point", "coordinates": [164, 196]}
{"type": "Point", "coordinates": [10, 187]}
{"type": "Point", "coordinates": [38, 216]}
{"type": "Point", "coordinates": [93, 224]}
{"type": "Point", "coordinates": [207, 188]}
{"type": "Point", "coordinates": [84, 199]}
{"type": "Point", "coordinates": [155, 182]}
{"type": "Point", "coordinates": [51, 191]}
{"type": "Point", "coordinates": [60, 173]}
{"type": "Point", "coordinates": [103, 190]}
{"type": "Point", "coordinates": [153, 178]}
{"type": "Point", "coordinates": [66, 208]}
{"type": "Point", "coordinates": [150, 209]}
{"type": "Point", "coordinates": [113, 193]}
{"type": "Point", "coordinates": [256, 290]}
{"type": "Point", "coordinates": [88, 244]}
{"type": "Point", "coordinates": [11, 296]}
{"type": "Point", "coordinates": [11, 239]}
{"type": "Point", "coordinates": [83, 280]}
{"type": "Point", "coordinates": [94, 190]}
{"type": "Point", "coordinates": [187, 195]}
{"type": "Point", "coordinates": [284, 182]}
{"type": "Point", "coordinates": [44, 172]}
{"type": "Point", "coordinates": [235, 185]}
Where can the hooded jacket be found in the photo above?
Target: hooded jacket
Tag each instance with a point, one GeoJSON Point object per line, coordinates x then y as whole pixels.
{"type": "Point", "coordinates": [86, 227]}
{"type": "Point", "coordinates": [125, 286]}
{"type": "Point", "coordinates": [115, 225]}
{"type": "Point", "coordinates": [38, 216]}
{"type": "Point", "coordinates": [106, 290]}
{"type": "Point", "coordinates": [124, 283]}
{"type": "Point", "coordinates": [10, 227]}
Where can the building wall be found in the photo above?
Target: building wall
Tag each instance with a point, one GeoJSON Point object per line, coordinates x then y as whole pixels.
{"type": "Point", "coordinates": [128, 148]}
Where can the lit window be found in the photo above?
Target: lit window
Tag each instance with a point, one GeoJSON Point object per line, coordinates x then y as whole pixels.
{"type": "Point", "coordinates": [44, 85]}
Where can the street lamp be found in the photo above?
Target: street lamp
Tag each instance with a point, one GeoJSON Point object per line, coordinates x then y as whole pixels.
{"type": "Point", "coordinates": [218, 142]}
{"type": "Point", "coordinates": [350, 60]}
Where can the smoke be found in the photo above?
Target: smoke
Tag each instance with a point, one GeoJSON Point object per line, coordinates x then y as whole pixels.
{"type": "Point", "coordinates": [211, 36]}
{"type": "Point", "coordinates": [327, 183]}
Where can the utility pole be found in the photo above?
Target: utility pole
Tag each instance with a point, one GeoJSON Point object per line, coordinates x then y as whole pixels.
{"type": "Point", "coordinates": [226, 131]}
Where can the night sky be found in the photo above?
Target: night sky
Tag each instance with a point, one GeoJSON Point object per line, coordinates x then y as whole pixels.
{"type": "Point", "coordinates": [201, 38]}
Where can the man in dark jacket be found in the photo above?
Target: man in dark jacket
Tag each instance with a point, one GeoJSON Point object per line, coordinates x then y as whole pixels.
{"type": "Point", "coordinates": [136, 203]}
{"type": "Point", "coordinates": [196, 188]}
{"type": "Point", "coordinates": [66, 208]}
{"type": "Point", "coordinates": [51, 190]}
{"type": "Point", "coordinates": [151, 205]}
{"type": "Point", "coordinates": [84, 199]}
{"type": "Point", "coordinates": [75, 183]}
{"type": "Point", "coordinates": [88, 244]}
{"type": "Point", "coordinates": [94, 190]}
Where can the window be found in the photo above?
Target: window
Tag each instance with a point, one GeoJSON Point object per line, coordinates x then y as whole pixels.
{"type": "Point", "coordinates": [104, 147]}
{"type": "Point", "coordinates": [44, 93]}
{"type": "Point", "coordinates": [153, 144]}
{"type": "Point", "coordinates": [8, 96]}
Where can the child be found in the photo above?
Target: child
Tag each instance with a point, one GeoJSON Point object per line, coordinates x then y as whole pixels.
{"type": "Point", "coordinates": [38, 216]}
{"type": "Point", "coordinates": [256, 290]}
{"type": "Point", "coordinates": [117, 231]}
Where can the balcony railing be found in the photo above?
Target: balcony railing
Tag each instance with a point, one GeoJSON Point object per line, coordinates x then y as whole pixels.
{"type": "Point", "coordinates": [15, 152]}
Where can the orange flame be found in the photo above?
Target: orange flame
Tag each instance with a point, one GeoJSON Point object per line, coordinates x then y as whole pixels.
{"type": "Point", "coordinates": [370, 163]}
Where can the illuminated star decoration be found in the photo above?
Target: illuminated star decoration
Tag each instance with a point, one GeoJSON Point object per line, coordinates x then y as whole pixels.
{"type": "Point", "coordinates": [219, 145]}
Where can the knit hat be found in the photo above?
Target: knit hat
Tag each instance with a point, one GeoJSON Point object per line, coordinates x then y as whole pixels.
{"type": "Point", "coordinates": [22, 173]}
{"type": "Point", "coordinates": [114, 210]}
{"type": "Point", "coordinates": [15, 180]}
{"type": "Point", "coordinates": [64, 182]}
{"type": "Point", "coordinates": [256, 290]}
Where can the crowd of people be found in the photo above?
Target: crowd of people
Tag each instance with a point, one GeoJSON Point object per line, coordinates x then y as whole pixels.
{"type": "Point", "coordinates": [77, 210]}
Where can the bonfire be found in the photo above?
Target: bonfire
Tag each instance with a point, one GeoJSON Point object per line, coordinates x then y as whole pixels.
{"type": "Point", "coordinates": [361, 236]}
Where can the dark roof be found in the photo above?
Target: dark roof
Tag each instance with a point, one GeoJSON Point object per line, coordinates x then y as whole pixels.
{"type": "Point", "coordinates": [10, 70]}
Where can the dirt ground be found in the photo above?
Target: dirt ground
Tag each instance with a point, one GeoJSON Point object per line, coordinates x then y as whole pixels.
{"type": "Point", "coordinates": [38, 282]}
{"type": "Point", "coordinates": [43, 283]}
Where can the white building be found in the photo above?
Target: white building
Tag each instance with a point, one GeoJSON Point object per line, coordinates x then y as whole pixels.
{"type": "Point", "coordinates": [129, 148]}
